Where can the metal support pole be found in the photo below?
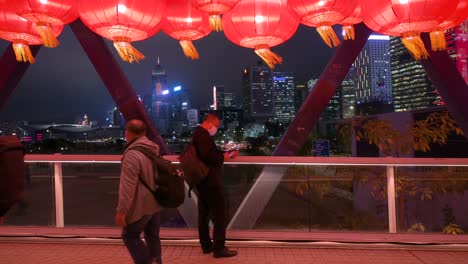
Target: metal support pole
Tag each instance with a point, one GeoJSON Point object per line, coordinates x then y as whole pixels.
{"type": "Point", "coordinates": [58, 190]}
{"type": "Point", "coordinates": [392, 227]}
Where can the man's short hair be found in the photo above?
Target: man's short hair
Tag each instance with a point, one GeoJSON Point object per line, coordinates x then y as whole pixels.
{"type": "Point", "coordinates": [211, 118]}
{"type": "Point", "coordinates": [136, 127]}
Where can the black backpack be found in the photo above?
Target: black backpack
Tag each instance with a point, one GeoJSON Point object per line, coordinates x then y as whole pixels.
{"type": "Point", "coordinates": [171, 190]}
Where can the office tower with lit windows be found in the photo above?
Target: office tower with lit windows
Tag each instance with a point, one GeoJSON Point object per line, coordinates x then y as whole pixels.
{"type": "Point", "coordinates": [412, 88]}
{"type": "Point", "coordinates": [283, 97]}
{"type": "Point", "coordinates": [257, 92]}
{"type": "Point", "coordinates": [159, 105]}
{"type": "Point", "coordinates": [348, 98]}
{"type": "Point", "coordinates": [300, 94]}
{"type": "Point", "coordinates": [218, 97]}
{"type": "Point", "coordinates": [457, 47]}
{"type": "Point", "coordinates": [373, 77]}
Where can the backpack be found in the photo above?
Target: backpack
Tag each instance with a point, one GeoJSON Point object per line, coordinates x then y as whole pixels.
{"type": "Point", "coordinates": [194, 169]}
{"type": "Point", "coordinates": [171, 190]}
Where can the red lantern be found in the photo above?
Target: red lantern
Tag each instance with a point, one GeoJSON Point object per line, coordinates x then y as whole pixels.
{"type": "Point", "coordinates": [47, 14]}
{"type": "Point", "coordinates": [21, 33]}
{"type": "Point", "coordinates": [215, 8]}
{"type": "Point", "coordinates": [456, 18]}
{"type": "Point", "coordinates": [123, 21]}
{"type": "Point", "coordinates": [322, 14]}
{"type": "Point", "coordinates": [407, 18]}
{"type": "Point", "coordinates": [186, 24]}
{"type": "Point", "coordinates": [260, 25]}
{"type": "Point", "coordinates": [349, 22]}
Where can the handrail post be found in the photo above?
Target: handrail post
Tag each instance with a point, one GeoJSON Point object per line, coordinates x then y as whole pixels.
{"type": "Point", "coordinates": [392, 228]}
{"type": "Point", "coordinates": [58, 190]}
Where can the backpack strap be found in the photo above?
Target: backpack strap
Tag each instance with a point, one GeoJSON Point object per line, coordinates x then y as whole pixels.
{"type": "Point", "coordinates": [149, 155]}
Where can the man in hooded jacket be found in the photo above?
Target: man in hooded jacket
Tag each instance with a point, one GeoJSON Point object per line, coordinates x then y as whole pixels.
{"type": "Point", "coordinates": [137, 209]}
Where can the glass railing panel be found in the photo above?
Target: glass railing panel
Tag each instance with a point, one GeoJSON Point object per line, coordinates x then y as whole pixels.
{"type": "Point", "coordinates": [90, 193]}
{"type": "Point", "coordinates": [37, 207]}
{"type": "Point", "coordinates": [289, 207]}
{"type": "Point", "coordinates": [432, 199]}
{"type": "Point", "coordinates": [327, 198]}
{"type": "Point", "coordinates": [237, 180]}
{"type": "Point", "coordinates": [91, 196]}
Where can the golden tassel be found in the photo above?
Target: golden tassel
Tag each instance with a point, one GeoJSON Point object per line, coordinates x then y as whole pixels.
{"type": "Point", "coordinates": [328, 35]}
{"type": "Point", "coordinates": [47, 35]}
{"type": "Point", "coordinates": [126, 51]}
{"type": "Point", "coordinates": [22, 52]}
{"type": "Point", "coordinates": [415, 45]}
{"type": "Point", "coordinates": [438, 40]}
{"type": "Point", "coordinates": [268, 56]}
{"type": "Point", "coordinates": [348, 32]}
{"type": "Point", "coordinates": [189, 49]}
{"type": "Point", "coordinates": [215, 22]}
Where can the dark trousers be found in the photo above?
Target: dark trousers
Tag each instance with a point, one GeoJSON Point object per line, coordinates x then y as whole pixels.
{"type": "Point", "coordinates": [212, 206]}
{"type": "Point", "coordinates": [143, 253]}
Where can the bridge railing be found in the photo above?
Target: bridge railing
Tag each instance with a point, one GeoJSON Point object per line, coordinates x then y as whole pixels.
{"type": "Point", "coordinates": [274, 193]}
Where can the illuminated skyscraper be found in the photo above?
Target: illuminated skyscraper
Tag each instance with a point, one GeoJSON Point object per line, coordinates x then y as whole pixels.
{"type": "Point", "coordinates": [159, 111]}
{"type": "Point", "coordinates": [283, 96]}
{"type": "Point", "coordinates": [373, 77]}
{"type": "Point", "coordinates": [261, 93]}
{"type": "Point", "coordinates": [412, 88]}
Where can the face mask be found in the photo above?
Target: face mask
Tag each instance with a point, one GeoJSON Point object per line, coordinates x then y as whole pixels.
{"type": "Point", "coordinates": [212, 131]}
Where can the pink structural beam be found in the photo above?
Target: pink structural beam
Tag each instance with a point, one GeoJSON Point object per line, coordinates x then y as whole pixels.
{"type": "Point", "coordinates": [443, 72]}
{"type": "Point", "coordinates": [318, 99]}
{"type": "Point", "coordinates": [118, 85]}
{"type": "Point", "coordinates": [11, 72]}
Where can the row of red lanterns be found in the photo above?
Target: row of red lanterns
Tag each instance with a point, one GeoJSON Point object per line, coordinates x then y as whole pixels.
{"type": "Point", "coordinates": [255, 24]}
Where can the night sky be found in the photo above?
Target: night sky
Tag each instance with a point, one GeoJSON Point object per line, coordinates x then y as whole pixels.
{"type": "Point", "coordinates": [62, 85]}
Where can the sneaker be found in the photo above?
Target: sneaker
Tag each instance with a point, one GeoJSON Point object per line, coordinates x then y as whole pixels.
{"type": "Point", "coordinates": [225, 253]}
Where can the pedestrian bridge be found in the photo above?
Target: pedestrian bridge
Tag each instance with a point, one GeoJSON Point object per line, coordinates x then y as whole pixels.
{"type": "Point", "coordinates": [287, 209]}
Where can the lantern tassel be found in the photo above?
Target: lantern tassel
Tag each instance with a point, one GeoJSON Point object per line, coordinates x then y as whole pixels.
{"type": "Point", "coordinates": [23, 52]}
{"type": "Point", "coordinates": [438, 40]}
{"type": "Point", "coordinates": [47, 35]}
{"type": "Point", "coordinates": [126, 51]}
{"type": "Point", "coordinates": [189, 49]}
{"type": "Point", "coordinates": [268, 56]}
{"type": "Point", "coordinates": [215, 22]}
{"type": "Point", "coordinates": [415, 45]}
{"type": "Point", "coordinates": [328, 35]}
{"type": "Point", "coordinates": [348, 32]}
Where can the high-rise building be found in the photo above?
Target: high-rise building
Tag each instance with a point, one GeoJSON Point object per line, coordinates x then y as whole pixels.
{"type": "Point", "coordinates": [218, 97]}
{"type": "Point", "coordinates": [300, 94]}
{"type": "Point", "coordinates": [373, 77]}
{"type": "Point", "coordinates": [261, 92]}
{"type": "Point", "coordinates": [412, 88]}
{"type": "Point", "coordinates": [457, 47]}
{"type": "Point", "coordinates": [246, 94]}
{"type": "Point", "coordinates": [230, 100]}
{"type": "Point", "coordinates": [159, 111]}
{"type": "Point", "coordinates": [283, 96]}
{"type": "Point", "coordinates": [348, 98]}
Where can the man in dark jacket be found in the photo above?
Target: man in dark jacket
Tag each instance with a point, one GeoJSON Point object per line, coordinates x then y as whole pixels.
{"type": "Point", "coordinates": [212, 200]}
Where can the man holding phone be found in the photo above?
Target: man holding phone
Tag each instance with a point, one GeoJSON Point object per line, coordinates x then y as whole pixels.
{"type": "Point", "coordinates": [211, 196]}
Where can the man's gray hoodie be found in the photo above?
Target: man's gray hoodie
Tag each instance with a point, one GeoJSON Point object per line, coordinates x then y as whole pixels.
{"type": "Point", "coordinates": [134, 198]}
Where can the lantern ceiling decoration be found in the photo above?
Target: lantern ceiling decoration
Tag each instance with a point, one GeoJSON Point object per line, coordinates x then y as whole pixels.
{"type": "Point", "coordinates": [21, 33]}
{"type": "Point", "coordinates": [456, 18]}
{"type": "Point", "coordinates": [407, 18]}
{"type": "Point", "coordinates": [215, 8]}
{"type": "Point", "coordinates": [322, 14]}
{"type": "Point", "coordinates": [186, 23]}
{"type": "Point", "coordinates": [123, 21]}
{"type": "Point", "coordinates": [260, 25]}
{"type": "Point", "coordinates": [349, 22]}
{"type": "Point", "coordinates": [47, 14]}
